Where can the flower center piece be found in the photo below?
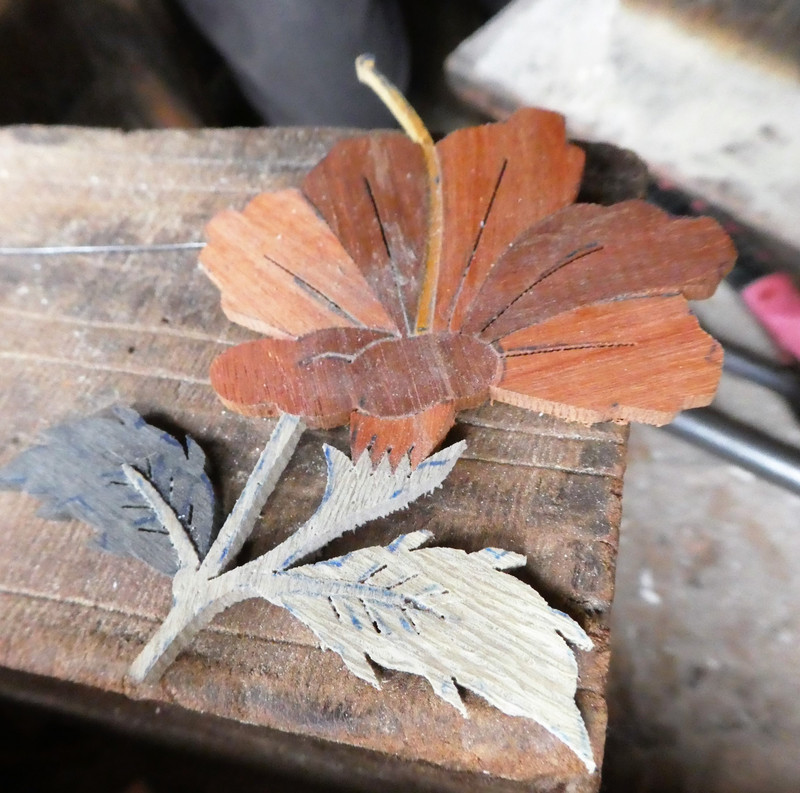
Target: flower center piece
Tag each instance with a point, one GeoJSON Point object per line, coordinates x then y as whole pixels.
{"type": "Point", "coordinates": [399, 377]}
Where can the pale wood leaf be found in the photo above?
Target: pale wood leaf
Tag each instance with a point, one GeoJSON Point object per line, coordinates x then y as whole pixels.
{"type": "Point", "coordinates": [462, 622]}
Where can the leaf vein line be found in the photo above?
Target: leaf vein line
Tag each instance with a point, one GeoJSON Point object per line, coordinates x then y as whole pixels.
{"type": "Point", "coordinates": [392, 262]}
{"type": "Point", "coordinates": [570, 258]}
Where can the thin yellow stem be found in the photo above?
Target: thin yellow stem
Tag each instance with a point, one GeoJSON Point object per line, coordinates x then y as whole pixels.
{"type": "Point", "coordinates": [412, 125]}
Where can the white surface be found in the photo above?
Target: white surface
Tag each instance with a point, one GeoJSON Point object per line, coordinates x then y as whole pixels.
{"type": "Point", "coordinates": [725, 127]}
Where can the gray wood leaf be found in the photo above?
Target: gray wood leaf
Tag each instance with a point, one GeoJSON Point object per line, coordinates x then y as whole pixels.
{"type": "Point", "coordinates": [77, 473]}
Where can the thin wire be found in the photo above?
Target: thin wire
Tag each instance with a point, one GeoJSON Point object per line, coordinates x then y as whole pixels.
{"type": "Point", "coordinates": [55, 250]}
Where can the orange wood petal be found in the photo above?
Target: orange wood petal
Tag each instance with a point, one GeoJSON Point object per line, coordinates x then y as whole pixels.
{"type": "Point", "coordinates": [282, 271]}
{"type": "Point", "coordinates": [633, 360]}
{"type": "Point", "coordinates": [588, 253]}
{"type": "Point", "coordinates": [309, 377]}
{"type": "Point", "coordinates": [497, 179]}
{"type": "Point", "coordinates": [418, 434]}
{"type": "Point", "coordinates": [372, 192]}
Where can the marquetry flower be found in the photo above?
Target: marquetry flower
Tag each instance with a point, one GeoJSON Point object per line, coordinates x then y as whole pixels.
{"type": "Point", "coordinates": [406, 281]}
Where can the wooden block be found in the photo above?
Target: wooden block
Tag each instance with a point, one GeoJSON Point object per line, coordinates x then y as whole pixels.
{"type": "Point", "coordinates": [85, 328]}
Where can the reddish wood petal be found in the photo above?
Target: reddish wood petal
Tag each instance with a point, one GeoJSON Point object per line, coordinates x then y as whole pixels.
{"type": "Point", "coordinates": [418, 434]}
{"type": "Point", "coordinates": [634, 360]}
{"type": "Point", "coordinates": [282, 271]}
{"type": "Point", "coordinates": [372, 191]}
{"type": "Point", "coordinates": [497, 180]}
{"type": "Point", "coordinates": [309, 377]}
{"type": "Point", "coordinates": [401, 377]}
{"type": "Point", "coordinates": [588, 253]}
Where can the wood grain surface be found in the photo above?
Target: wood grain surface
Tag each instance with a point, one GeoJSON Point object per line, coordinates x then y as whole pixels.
{"type": "Point", "coordinates": [84, 330]}
{"type": "Point", "coordinates": [501, 251]}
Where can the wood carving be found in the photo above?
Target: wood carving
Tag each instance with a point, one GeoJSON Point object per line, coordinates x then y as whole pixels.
{"type": "Point", "coordinates": [408, 281]}
{"type": "Point", "coordinates": [450, 616]}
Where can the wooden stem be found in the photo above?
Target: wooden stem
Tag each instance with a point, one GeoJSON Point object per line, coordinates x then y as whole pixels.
{"type": "Point", "coordinates": [413, 126]}
{"type": "Point", "coordinates": [196, 588]}
{"type": "Point", "coordinates": [356, 494]}
{"type": "Point", "coordinates": [187, 555]}
{"type": "Point", "coordinates": [260, 484]}
{"type": "Point", "coordinates": [199, 600]}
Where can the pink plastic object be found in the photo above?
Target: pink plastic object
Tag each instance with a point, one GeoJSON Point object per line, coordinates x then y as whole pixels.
{"type": "Point", "coordinates": [775, 301]}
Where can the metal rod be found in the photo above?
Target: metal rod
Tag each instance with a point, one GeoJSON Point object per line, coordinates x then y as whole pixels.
{"type": "Point", "coordinates": [741, 444]}
{"type": "Point", "coordinates": [783, 380]}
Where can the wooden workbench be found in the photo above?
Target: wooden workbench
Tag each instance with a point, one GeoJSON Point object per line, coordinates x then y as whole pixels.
{"type": "Point", "coordinates": [83, 329]}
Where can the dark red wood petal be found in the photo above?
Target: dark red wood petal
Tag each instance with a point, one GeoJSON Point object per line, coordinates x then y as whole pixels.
{"type": "Point", "coordinates": [587, 253]}
{"type": "Point", "coordinates": [402, 377]}
{"type": "Point", "coordinates": [497, 180]}
{"type": "Point", "coordinates": [310, 377]}
{"type": "Point", "coordinates": [373, 193]}
{"type": "Point", "coordinates": [282, 271]}
{"type": "Point", "coordinates": [416, 435]}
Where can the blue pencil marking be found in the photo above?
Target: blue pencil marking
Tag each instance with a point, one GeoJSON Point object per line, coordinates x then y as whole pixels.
{"type": "Point", "coordinates": [397, 493]}
{"type": "Point", "coordinates": [432, 464]}
{"type": "Point", "coordinates": [329, 484]}
{"type": "Point", "coordinates": [356, 622]}
{"type": "Point", "coordinates": [167, 438]}
{"type": "Point", "coordinates": [79, 500]}
{"type": "Point", "coordinates": [396, 544]}
{"type": "Point", "coordinates": [338, 562]}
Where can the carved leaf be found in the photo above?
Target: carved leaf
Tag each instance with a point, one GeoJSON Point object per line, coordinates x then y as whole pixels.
{"type": "Point", "coordinates": [441, 613]}
{"type": "Point", "coordinates": [461, 623]}
{"type": "Point", "coordinates": [77, 472]}
{"type": "Point", "coordinates": [356, 493]}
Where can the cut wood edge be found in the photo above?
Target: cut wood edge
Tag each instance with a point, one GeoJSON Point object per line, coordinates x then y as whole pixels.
{"type": "Point", "coordinates": [620, 414]}
{"type": "Point", "coordinates": [415, 435]}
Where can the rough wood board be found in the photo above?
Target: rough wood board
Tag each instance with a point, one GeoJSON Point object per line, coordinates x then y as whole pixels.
{"type": "Point", "coordinates": [83, 331]}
